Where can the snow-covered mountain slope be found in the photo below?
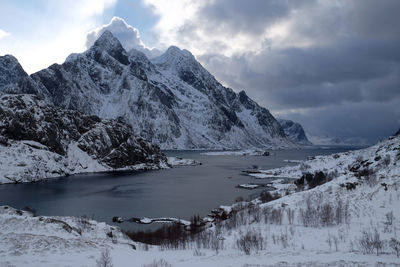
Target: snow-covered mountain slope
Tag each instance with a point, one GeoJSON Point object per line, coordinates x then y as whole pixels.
{"type": "Point", "coordinates": [171, 100]}
{"type": "Point", "coordinates": [332, 224]}
{"type": "Point", "coordinates": [38, 141]}
{"type": "Point", "coordinates": [294, 131]}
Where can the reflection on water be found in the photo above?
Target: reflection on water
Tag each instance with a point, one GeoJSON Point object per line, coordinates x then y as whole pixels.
{"type": "Point", "coordinates": [179, 192]}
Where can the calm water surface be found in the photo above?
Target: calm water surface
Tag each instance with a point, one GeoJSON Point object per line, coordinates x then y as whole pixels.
{"type": "Point", "coordinates": [178, 192]}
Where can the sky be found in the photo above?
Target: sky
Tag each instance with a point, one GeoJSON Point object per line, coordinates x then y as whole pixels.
{"type": "Point", "coordinates": [331, 65]}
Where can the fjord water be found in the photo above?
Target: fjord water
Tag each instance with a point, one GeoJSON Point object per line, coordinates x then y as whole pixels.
{"type": "Point", "coordinates": [179, 192]}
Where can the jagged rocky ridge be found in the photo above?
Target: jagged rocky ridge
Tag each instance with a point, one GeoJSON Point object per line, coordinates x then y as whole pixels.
{"type": "Point", "coordinates": [294, 131]}
{"type": "Point", "coordinates": [38, 140]}
{"type": "Point", "coordinates": [170, 100]}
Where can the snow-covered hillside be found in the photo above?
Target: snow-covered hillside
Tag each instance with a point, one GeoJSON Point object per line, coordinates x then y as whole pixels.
{"type": "Point", "coordinates": [171, 100]}
{"type": "Point", "coordinates": [350, 218]}
{"type": "Point", "coordinates": [26, 240]}
{"type": "Point", "coordinates": [39, 141]}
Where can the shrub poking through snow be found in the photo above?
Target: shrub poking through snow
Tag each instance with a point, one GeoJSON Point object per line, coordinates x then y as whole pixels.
{"type": "Point", "coordinates": [105, 259]}
{"type": "Point", "coordinates": [369, 175]}
{"type": "Point", "coordinates": [158, 263]}
{"type": "Point", "coordinates": [394, 244]}
{"type": "Point", "coordinates": [249, 242]}
{"type": "Point", "coordinates": [370, 242]}
{"type": "Point", "coordinates": [267, 196]}
{"type": "Point", "coordinates": [386, 160]}
{"type": "Point", "coordinates": [316, 213]}
{"type": "Point", "coordinates": [388, 222]}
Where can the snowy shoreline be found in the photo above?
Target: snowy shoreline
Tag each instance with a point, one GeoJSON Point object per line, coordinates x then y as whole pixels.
{"type": "Point", "coordinates": [40, 164]}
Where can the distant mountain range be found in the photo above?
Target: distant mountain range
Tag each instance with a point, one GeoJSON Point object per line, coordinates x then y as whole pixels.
{"type": "Point", "coordinates": [170, 100]}
{"type": "Point", "coordinates": [326, 140]}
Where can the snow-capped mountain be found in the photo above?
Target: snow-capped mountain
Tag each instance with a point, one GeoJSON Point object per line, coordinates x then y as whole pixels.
{"type": "Point", "coordinates": [170, 100]}
{"type": "Point", "coordinates": [38, 141]}
{"type": "Point", "coordinates": [294, 131]}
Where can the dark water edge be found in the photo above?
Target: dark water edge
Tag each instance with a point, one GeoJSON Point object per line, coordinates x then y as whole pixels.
{"type": "Point", "coordinates": [179, 192]}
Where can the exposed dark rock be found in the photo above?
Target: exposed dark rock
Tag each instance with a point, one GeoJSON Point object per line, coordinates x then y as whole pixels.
{"type": "Point", "coordinates": [25, 117]}
{"type": "Point", "coordinates": [312, 180]}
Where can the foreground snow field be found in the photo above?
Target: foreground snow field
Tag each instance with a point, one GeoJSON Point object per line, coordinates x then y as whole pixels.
{"type": "Point", "coordinates": [350, 218]}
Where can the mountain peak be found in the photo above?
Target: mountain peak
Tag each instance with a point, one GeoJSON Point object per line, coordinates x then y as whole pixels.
{"type": "Point", "coordinates": [8, 58]}
{"type": "Point", "coordinates": [10, 71]}
{"type": "Point", "coordinates": [174, 56]}
{"type": "Point", "coordinates": [177, 52]}
{"type": "Point", "coordinates": [107, 40]}
{"type": "Point", "coordinates": [109, 43]}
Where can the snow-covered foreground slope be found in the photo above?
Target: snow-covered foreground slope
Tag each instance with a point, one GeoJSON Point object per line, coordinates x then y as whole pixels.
{"type": "Point", "coordinates": [39, 141]}
{"type": "Point", "coordinates": [171, 100]}
{"type": "Point", "coordinates": [329, 225]}
{"type": "Point", "coordinates": [56, 241]}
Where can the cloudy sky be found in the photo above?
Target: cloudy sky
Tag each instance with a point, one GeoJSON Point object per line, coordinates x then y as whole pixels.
{"type": "Point", "coordinates": [332, 65]}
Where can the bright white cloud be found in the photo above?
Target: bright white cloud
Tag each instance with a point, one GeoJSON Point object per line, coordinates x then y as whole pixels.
{"type": "Point", "coordinates": [3, 33]}
{"type": "Point", "coordinates": [182, 23]}
{"type": "Point", "coordinates": [60, 29]}
{"type": "Point", "coordinates": [229, 27]}
{"type": "Point", "coordinates": [173, 15]}
{"type": "Point", "coordinates": [126, 34]}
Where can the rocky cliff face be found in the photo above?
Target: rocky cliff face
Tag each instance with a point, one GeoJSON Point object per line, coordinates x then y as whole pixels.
{"type": "Point", "coordinates": [11, 72]}
{"type": "Point", "coordinates": [44, 134]}
{"type": "Point", "coordinates": [294, 131]}
{"type": "Point", "coordinates": [171, 100]}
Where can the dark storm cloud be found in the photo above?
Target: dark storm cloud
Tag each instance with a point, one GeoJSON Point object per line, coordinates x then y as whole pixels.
{"type": "Point", "coordinates": [314, 76]}
{"type": "Point", "coordinates": [252, 16]}
{"type": "Point", "coordinates": [360, 120]}
{"type": "Point", "coordinates": [375, 18]}
{"type": "Point", "coordinates": [349, 75]}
